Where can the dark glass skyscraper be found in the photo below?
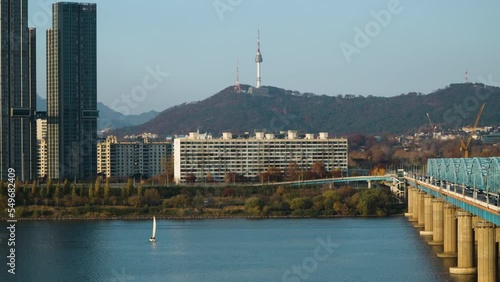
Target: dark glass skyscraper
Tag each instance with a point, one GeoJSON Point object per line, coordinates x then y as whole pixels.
{"type": "Point", "coordinates": [17, 93]}
{"type": "Point", "coordinates": [72, 92]}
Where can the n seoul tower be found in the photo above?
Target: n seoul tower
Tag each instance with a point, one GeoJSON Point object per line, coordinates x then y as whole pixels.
{"type": "Point", "coordinates": [258, 59]}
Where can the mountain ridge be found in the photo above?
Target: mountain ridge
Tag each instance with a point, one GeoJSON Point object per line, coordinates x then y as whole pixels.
{"type": "Point", "coordinates": [109, 118]}
{"type": "Point", "coordinates": [454, 106]}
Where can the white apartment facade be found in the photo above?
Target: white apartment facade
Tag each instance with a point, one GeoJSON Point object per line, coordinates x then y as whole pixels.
{"type": "Point", "coordinates": [41, 138]}
{"type": "Point", "coordinates": [42, 158]}
{"type": "Point", "coordinates": [132, 158]}
{"type": "Point", "coordinates": [250, 156]}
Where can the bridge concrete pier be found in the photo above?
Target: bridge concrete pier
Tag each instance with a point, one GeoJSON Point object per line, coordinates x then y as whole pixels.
{"type": "Point", "coordinates": [450, 232]}
{"type": "Point", "coordinates": [414, 206]}
{"type": "Point", "coordinates": [498, 240]}
{"type": "Point", "coordinates": [437, 222]}
{"type": "Point", "coordinates": [465, 245]}
{"type": "Point", "coordinates": [410, 202]}
{"type": "Point", "coordinates": [427, 216]}
{"type": "Point", "coordinates": [421, 210]}
{"type": "Point", "coordinates": [486, 252]}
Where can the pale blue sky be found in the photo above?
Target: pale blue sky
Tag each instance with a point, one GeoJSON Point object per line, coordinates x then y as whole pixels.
{"type": "Point", "coordinates": [425, 46]}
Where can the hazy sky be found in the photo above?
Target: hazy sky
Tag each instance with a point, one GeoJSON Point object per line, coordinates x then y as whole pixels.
{"type": "Point", "coordinates": [309, 46]}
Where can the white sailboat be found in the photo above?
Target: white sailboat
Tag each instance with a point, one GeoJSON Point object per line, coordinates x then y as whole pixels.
{"type": "Point", "coordinates": [153, 237]}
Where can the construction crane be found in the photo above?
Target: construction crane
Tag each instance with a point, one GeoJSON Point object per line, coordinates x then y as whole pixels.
{"type": "Point", "coordinates": [430, 121]}
{"type": "Point", "coordinates": [464, 146]}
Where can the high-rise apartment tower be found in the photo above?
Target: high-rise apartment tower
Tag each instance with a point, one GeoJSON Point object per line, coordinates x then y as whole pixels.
{"type": "Point", "coordinates": [72, 92]}
{"type": "Point", "coordinates": [17, 91]}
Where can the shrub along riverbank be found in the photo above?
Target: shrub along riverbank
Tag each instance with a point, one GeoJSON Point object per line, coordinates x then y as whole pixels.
{"type": "Point", "coordinates": [64, 201]}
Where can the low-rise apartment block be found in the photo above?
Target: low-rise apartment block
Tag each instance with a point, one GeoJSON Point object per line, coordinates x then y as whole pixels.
{"type": "Point", "coordinates": [250, 155]}
{"type": "Point", "coordinates": [143, 157]}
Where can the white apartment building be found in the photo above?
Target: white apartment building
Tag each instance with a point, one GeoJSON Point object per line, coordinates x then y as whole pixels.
{"type": "Point", "coordinates": [41, 128]}
{"type": "Point", "coordinates": [41, 138]}
{"type": "Point", "coordinates": [132, 158]}
{"type": "Point", "coordinates": [42, 157]}
{"type": "Point", "coordinates": [251, 155]}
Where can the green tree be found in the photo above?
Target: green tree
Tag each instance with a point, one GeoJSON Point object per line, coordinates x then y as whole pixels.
{"type": "Point", "coordinates": [33, 189]}
{"type": "Point", "coordinates": [140, 191]}
{"type": "Point", "coordinates": [135, 201]}
{"type": "Point", "coordinates": [152, 197]}
{"type": "Point", "coordinates": [130, 187]}
{"type": "Point", "coordinates": [57, 193]}
{"type": "Point", "coordinates": [65, 187]}
{"type": "Point", "coordinates": [318, 202]}
{"type": "Point", "coordinates": [179, 201]}
{"type": "Point", "coordinates": [91, 191]}
{"type": "Point", "coordinates": [73, 190]}
{"type": "Point", "coordinates": [106, 189]}
{"type": "Point", "coordinates": [82, 190]}
{"type": "Point", "coordinates": [198, 201]}
{"type": "Point", "coordinates": [97, 187]}
{"type": "Point", "coordinates": [303, 203]}
{"type": "Point", "coordinates": [254, 205]}
{"type": "Point", "coordinates": [374, 202]}
{"type": "Point", "coordinates": [124, 193]}
{"type": "Point", "coordinates": [48, 189]}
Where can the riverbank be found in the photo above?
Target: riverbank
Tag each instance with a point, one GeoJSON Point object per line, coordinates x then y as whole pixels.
{"type": "Point", "coordinates": [37, 213]}
{"type": "Point", "coordinates": [196, 217]}
{"type": "Point", "coordinates": [198, 203]}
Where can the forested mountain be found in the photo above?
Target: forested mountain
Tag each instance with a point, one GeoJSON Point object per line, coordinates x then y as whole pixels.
{"type": "Point", "coordinates": [274, 109]}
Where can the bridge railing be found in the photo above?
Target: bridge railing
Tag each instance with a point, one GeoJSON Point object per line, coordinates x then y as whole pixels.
{"type": "Point", "coordinates": [455, 194]}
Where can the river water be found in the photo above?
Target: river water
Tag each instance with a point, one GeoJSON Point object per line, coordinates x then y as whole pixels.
{"type": "Point", "coordinates": [341, 249]}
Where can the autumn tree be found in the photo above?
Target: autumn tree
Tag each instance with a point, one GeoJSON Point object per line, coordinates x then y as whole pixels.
{"type": "Point", "coordinates": [378, 170]}
{"type": "Point", "coordinates": [273, 174]}
{"type": "Point", "coordinates": [292, 172]}
{"type": "Point", "coordinates": [228, 192]}
{"type": "Point", "coordinates": [167, 165]}
{"type": "Point", "coordinates": [318, 170]}
{"type": "Point", "coordinates": [190, 178]}
{"type": "Point", "coordinates": [336, 173]}
{"type": "Point", "coordinates": [209, 177]}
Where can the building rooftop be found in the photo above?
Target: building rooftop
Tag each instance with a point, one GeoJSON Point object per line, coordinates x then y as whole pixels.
{"type": "Point", "coordinates": [290, 135]}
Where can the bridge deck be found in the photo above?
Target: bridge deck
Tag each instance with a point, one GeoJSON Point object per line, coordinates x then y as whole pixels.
{"type": "Point", "coordinates": [485, 210]}
{"type": "Point", "coordinates": [333, 180]}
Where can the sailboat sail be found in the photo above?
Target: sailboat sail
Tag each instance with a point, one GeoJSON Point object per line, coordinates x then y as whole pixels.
{"type": "Point", "coordinates": [154, 227]}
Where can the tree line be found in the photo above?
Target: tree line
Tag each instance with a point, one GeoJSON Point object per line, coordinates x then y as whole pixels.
{"type": "Point", "coordinates": [99, 200]}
